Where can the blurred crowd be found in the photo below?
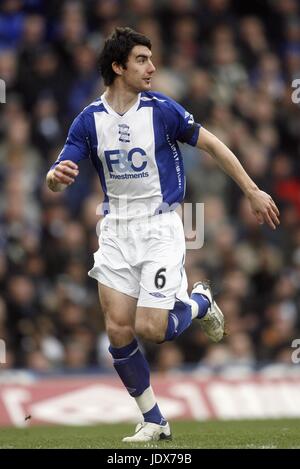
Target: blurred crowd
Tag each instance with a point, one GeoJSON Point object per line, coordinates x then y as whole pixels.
{"type": "Point", "coordinates": [232, 65]}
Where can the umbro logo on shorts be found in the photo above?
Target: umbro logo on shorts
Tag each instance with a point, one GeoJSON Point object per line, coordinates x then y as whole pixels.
{"type": "Point", "coordinates": [157, 295]}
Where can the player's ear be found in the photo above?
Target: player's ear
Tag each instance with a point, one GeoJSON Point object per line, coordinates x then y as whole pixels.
{"type": "Point", "coordinates": [117, 68]}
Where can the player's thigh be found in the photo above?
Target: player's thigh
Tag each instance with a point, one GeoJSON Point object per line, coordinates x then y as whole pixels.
{"type": "Point", "coordinates": [151, 323]}
{"type": "Point", "coordinates": [119, 312]}
{"type": "Point", "coordinates": [162, 273]}
{"type": "Point", "coordinates": [112, 265]}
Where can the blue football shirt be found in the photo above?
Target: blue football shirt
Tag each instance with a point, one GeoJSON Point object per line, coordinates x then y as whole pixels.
{"type": "Point", "coordinates": [136, 155]}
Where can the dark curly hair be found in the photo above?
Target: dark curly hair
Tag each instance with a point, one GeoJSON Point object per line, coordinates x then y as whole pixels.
{"type": "Point", "coordinates": [117, 48]}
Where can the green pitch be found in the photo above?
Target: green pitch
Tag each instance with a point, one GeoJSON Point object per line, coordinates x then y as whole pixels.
{"type": "Point", "coordinates": [283, 433]}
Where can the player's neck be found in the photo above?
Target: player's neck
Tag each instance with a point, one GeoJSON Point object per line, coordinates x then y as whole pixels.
{"type": "Point", "coordinates": [120, 99]}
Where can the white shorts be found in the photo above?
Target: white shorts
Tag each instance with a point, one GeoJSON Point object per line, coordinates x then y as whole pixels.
{"type": "Point", "coordinates": [144, 259]}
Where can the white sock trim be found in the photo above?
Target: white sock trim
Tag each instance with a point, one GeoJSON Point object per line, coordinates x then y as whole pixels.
{"type": "Point", "coordinates": [146, 401]}
{"type": "Point", "coordinates": [195, 308]}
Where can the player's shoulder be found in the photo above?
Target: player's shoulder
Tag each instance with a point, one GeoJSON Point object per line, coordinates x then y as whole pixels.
{"type": "Point", "coordinates": [86, 116]}
{"type": "Point", "coordinates": [156, 98]}
{"type": "Point", "coordinates": [94, 106]}
{"type": "Point", "coordinates": [83, 120]}
{"type": "Point", "coordinates": [167, 105]}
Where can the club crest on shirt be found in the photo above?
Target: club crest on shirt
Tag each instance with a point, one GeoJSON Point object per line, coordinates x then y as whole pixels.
{"type": "Point", "coordinates": [124, 133]}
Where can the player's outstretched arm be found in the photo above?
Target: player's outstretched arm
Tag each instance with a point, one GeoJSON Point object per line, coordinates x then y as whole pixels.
{"type": "Point", "coordinates": [262, 204]}
{"type": "Point", "coordinates": [62, 175]}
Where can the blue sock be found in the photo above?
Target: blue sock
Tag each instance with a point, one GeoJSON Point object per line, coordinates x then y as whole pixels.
{"type": "Point", "coordinates": [154, 416]}
{"type": "Point", "coordinates": [133, 369]}
{"type": "Point", "coordinates": [202, 302]}
{"type": "Point", "coordinates": [179, 320]}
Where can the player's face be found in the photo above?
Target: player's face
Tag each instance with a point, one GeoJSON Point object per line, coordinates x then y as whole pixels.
{"type": "Point", "coordinates": [139, 69]}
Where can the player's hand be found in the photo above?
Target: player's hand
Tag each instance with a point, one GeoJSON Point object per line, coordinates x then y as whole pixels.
{"type": "Point", "coordinates": [264, 208]}
{"type": "Point", "coordinates": [65, 172]}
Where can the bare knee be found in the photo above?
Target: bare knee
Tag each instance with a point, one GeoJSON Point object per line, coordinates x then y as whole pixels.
{"type": "Point", "coordinates": [119, 334]}
{"type": "Point", "coordinates": [150, 329]}
{"type": "Point", "coordinates": [119, 312]}
{"type": "Point", "coordinates": [118, 328]}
